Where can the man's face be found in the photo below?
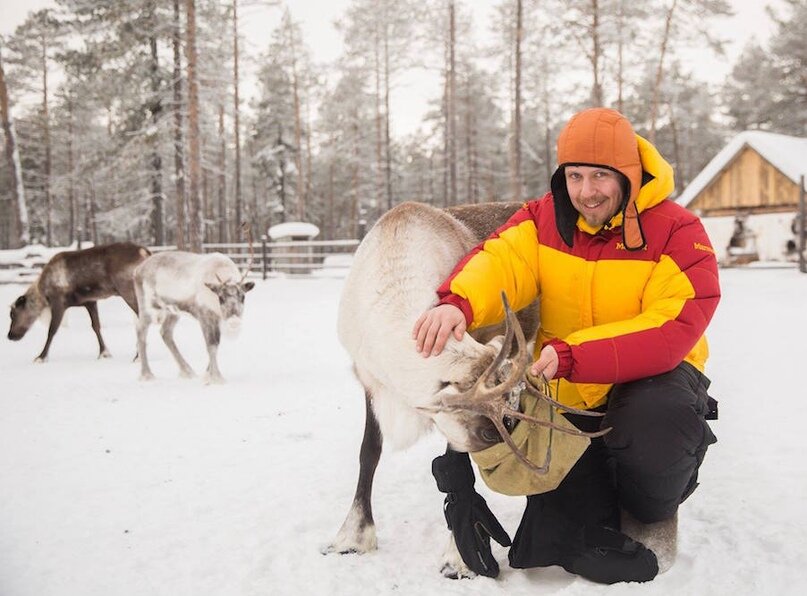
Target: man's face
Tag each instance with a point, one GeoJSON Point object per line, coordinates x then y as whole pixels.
{"type": "Point", "coordinates": [595, 192]}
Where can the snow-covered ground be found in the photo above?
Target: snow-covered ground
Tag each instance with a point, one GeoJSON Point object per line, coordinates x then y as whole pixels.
{"type": "Point", "coordinates": [113, 487]}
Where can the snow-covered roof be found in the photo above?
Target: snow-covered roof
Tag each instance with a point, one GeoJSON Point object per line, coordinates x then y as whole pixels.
{"type": "Point", "coordinates": [788, 154]}
{"type": "Point", "coordinates": [293, 228]}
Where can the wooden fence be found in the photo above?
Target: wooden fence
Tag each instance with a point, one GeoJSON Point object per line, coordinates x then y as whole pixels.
{"type": "Point", "coordinates": [268, 258]}
{"type": "Point", "coordinates": [292, 257]}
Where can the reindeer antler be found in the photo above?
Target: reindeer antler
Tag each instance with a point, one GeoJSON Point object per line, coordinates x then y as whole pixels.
{"type": "Point", "coordinates": [488, 401]}
{"type": "Point", "coordinates": [248, 231]}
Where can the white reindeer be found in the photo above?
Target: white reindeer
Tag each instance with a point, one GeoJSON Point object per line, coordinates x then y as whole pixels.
{"type": "Point", "coordinates": [208, 287]}
{"type": "Point", "coordinates": [393, 279]}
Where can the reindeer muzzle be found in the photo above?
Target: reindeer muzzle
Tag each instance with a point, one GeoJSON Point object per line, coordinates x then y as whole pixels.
{"type": "Point", "coordinates": [231, 326]}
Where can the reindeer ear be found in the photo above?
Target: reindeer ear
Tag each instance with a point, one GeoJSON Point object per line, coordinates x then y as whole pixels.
{"type": "Point", "coordinates": [248, 286]}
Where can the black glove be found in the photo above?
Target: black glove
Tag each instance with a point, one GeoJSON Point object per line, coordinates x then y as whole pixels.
{"type": "Point", "coordinates": [467, 514]}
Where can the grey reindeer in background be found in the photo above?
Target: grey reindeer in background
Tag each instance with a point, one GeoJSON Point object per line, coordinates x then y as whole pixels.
{"type": "Point", "coordinates": [208, 287]}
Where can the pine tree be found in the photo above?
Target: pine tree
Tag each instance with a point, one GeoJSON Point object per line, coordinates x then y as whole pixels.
{"type": "Point", "coordinates": [751, 91]}
{"type": "Point", "coordinates": [789, 50]}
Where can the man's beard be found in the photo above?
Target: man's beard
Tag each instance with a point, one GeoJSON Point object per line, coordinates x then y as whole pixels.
{"type": "Point", "coordinates": [597, 219]}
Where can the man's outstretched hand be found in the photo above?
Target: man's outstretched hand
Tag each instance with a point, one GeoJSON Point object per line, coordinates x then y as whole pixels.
{"type": "Point", "coordinates": [433, 328]}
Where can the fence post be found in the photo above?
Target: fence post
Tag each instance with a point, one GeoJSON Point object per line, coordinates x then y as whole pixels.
{"type": "Point", "coordinates": [263, 254]}
{"type": "Point", "coordinates": [802, 217]}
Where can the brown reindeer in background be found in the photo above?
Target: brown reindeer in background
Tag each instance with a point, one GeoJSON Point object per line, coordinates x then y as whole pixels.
{"type": "Point", "coordinates": [78, 278]}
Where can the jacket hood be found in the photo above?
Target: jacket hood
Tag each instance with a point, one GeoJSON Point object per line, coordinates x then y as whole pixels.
{"type": "Point", "coordinates": [604, 137]}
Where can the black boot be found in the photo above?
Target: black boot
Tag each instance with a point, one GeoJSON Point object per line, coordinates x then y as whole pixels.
{"type": "Point", "coordinates": [548, 537]}
{"type": "Point", "coordinates": [607, 557]}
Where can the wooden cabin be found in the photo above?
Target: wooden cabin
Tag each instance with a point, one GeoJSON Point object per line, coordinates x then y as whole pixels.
{"type": "Point", "coordinates": [748, 197]}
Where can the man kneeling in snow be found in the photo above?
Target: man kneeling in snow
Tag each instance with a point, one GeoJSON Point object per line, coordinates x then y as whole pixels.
{"type": "Point", "coordinates": [628, 282]}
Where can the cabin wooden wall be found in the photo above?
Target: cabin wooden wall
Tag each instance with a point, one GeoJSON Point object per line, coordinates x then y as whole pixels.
{"type": "Point", "coordinates": [747, 184]}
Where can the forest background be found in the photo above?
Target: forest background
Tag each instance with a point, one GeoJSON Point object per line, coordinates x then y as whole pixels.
{"type": "Point", "coordinates": [171, 122]}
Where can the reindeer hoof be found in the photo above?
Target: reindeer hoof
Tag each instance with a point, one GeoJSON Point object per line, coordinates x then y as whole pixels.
{"type": "Point", "coordinates": [104, 354]}
{"type": "Point", "coordinates": [453, 567]}
{"type": "Point", "coordinates": [340, 550]}
{"type": "Point", "coordinates": [40, 359]}
{"type": "Point", "coordinates": [213, 379]}
{"type": "Point", "coordinates": [146, 377]}
{"type": "Point", "coordinates": [331, 549]}
{"type": "Point", "coordinates": [187, 374]}
{"type": "Point", "coordinates": [449, 571]}
{"type": "Point", "coordinates": [351, 540]}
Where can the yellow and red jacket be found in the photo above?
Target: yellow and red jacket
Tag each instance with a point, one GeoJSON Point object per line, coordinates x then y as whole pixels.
{"type": "Point", "coordinates": [613, 315]}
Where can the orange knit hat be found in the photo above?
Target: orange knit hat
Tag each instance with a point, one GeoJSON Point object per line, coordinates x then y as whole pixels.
{"type": "Point", "coordinates": [600, 137]}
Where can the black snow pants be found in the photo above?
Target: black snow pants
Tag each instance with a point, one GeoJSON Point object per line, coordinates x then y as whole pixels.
{"type": "Point", "coordinates": [648, 464]}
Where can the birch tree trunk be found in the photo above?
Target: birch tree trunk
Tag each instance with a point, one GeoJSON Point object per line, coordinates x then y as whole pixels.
{"type": "Point", "coordinates": [239, 216]}
{"type": "Point", "coordinates": [516, 167]}
{"type": "Point", "coordinates": [660, 72]}
{"type": "Point", "coordinates": [387, 142]}
{"type": "Point", "coordinates": [48, 150]}
{"type": "Point", "coordinates": [298, 132]}
{"type": "Point", "coordinates": [330, 232]}
{"type": "Point", "coordinates": [547, 140]}
{"type": "Point", "coordinates": [620, 73]}
{"type": "Point", "coordinates": [354, 185]}
{"type": "Point", "coordinates": [680, 163]}
{"type": "Point", "coordinates": [207, 208]}
{"type": "Point", "coordinates": [446, 195]}
{"type": "Point", "coordinates": [255, 216]}
{"type": "Point", "coordinates": [222, 181]}
{"type": "Point", "coordinates": [90, 212]}
{"type": "Point", "coordinates": [379, 134]}
{"type": "Point", "coordinates": [156, 108]}
{"type": "Point", "coordinates": [71, 191]}
{"type": "Point", "coordinates": [282, 176]}
{"type": "Point", "coordinates": [451, 105]}
{"type": "Point", "coordinates": [19, 225]}
{"type": "Point", "coordinates": [470, 145]}
{"type": "Point", "coordinates": [179, 151]}
{"type": "Point", "coordinates": [309, 190]}
{"type": "Point", "coordinates": [194, 227]}
{"type": "Point", "coordinates": [596, 54]}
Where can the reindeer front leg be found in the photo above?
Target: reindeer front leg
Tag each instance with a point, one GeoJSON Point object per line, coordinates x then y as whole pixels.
{"type": "Point", "coordinates": [92, 309]}
{"type": "Point", "coordinates": [357, 534]}
{"type": "Point", "coordinates": [56, 313]}
{"type": "Point", "coordinates": [210, 328]}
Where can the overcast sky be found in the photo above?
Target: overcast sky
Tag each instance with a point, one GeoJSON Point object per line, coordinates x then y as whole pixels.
{"type": "Point", "coordinates": [317, 18]}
